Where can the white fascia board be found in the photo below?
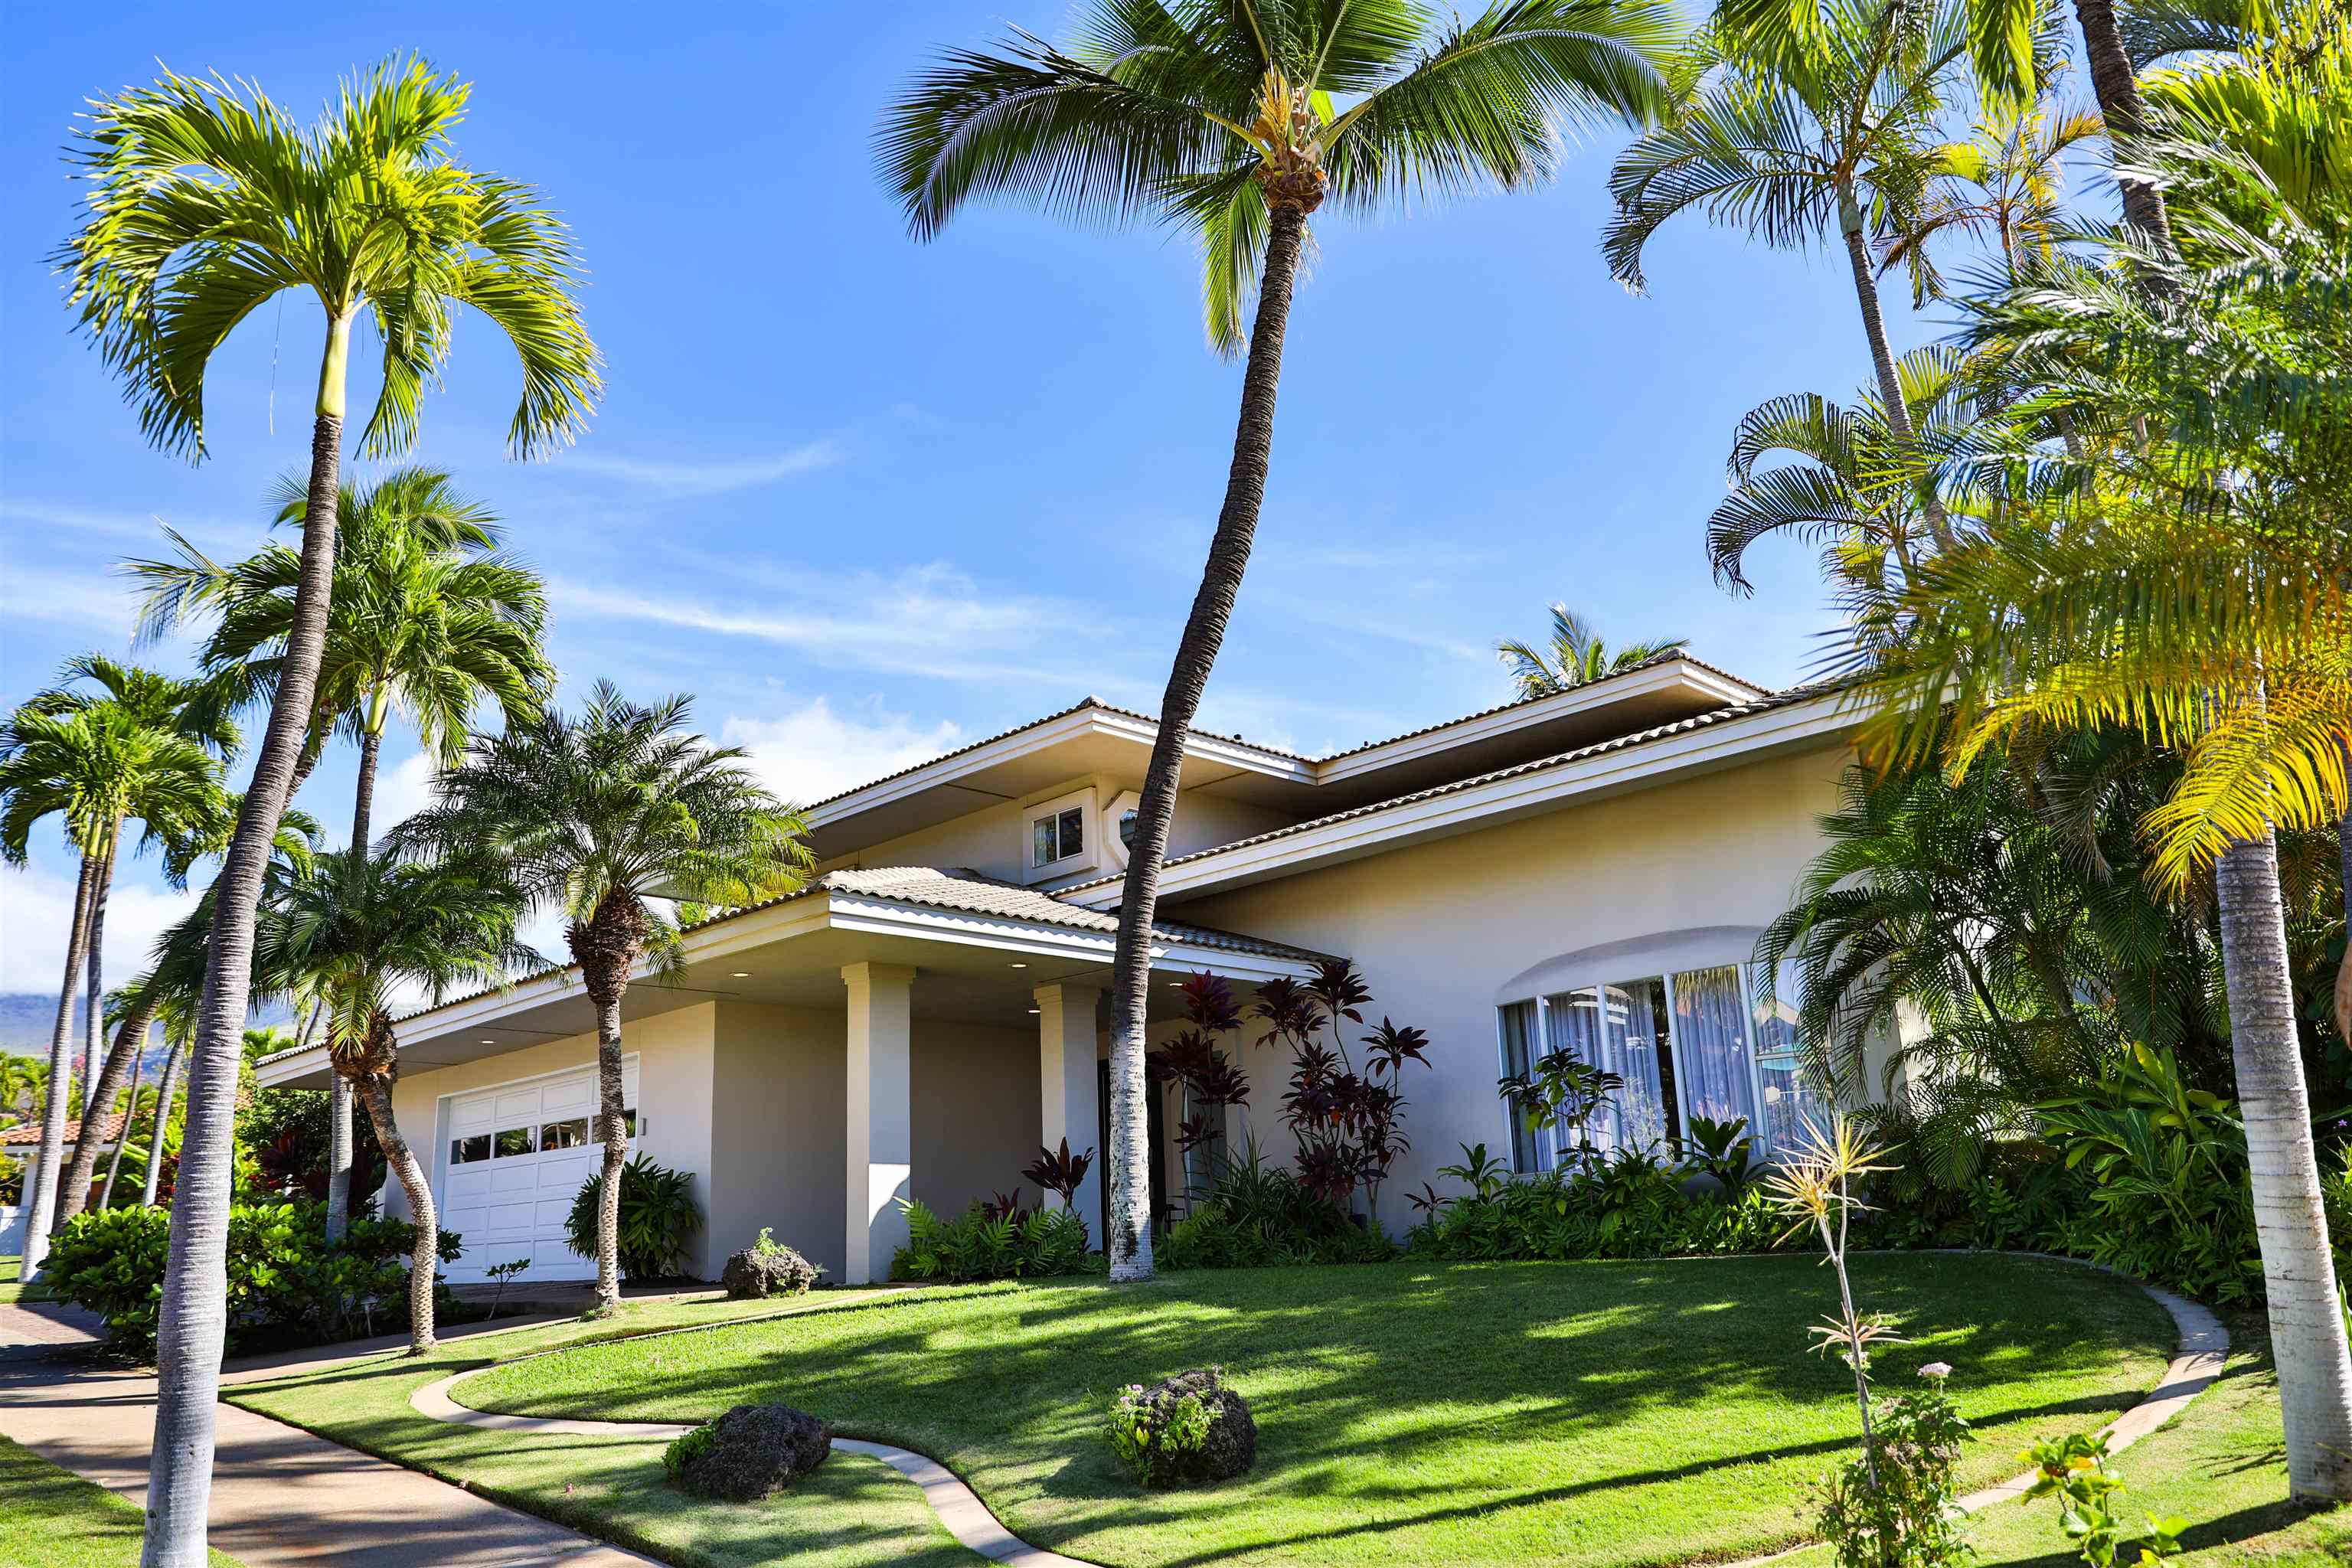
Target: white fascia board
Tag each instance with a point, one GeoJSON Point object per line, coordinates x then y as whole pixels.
{"type": "Point", "coordinates": [1004, 933]}
{"type": "Point", "coordinates": [1667, 674]}
{"type": "Point", "coordinates": [948, 771]}
{"type": "Point", "coordinates": [1520, 793]}
{"type": "Point", "coordinates": [284, 1067]}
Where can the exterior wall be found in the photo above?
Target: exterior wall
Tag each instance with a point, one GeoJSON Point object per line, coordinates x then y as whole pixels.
{"type": "Point", "coordinates": [977, 1112]}
{"type": "Point", "coordinates": [777, 1131]}
{"type": "Point", "coordinates": [674, 1101]}
{"type": "Point", "coordinates": [995, 839]}
{"type": "Point", "coordinates": [1436, 928]}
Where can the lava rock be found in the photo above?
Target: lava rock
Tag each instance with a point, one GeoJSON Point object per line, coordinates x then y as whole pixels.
{"type": "Point", "coordinates": [1230, 1446]}
{"type": "Point", "coordinates": [752, 1451]}
{"type": "Point", "coordinates": [753, 1274]}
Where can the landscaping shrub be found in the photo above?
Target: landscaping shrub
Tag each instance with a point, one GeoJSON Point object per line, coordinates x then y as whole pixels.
{"type": "Point", "coordinates": [1627, 1206]}
{"type": "Point", "coordinates": [768, 1268]}
{"type": "Point", "coordinates": [998, 1242]}
{"type": "Point", "coordinates": [1254, 1215]}
{"type": "Point", "coordinates": [285, 1284]}
{"type": "Point", "coordinates": [658, 1217]}
{"type": "Point", "coordinates": [1187, 1430]}
{"type": "Point", "coordinates": [752, 1451]}
{"type": "Point", "coordinates": [1896, 1506]}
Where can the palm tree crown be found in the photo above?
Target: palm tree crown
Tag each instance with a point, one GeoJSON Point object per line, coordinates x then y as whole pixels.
{"type": "Point", "coordinates": [1574, 656]}
{"type": "Point", "coordinates": [1207, 112]}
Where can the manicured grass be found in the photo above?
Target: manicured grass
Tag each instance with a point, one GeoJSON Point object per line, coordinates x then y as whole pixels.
{"type": "Point", "coordinates": [852, 1513]}
{"type": "Point", "coordinates": [2220, 1465]}
{"type": "Point", "coordinates": [1570, 1413]}
{"type": "Point", "coordinates": [51, 1518]}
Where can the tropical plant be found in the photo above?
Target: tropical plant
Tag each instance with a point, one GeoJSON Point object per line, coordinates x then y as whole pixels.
{"type": "Point", "coordinates": [355, 934]}
{"type": "Point", "coordinates": [1724, 1151]}
{"type": "Point", "coordinates": [656, 1213]}
{"type": "Point", "coordinates": [205, 199]}
{"type": "Point", "coordinates": [1814, 1187]}
{"type": "Point", "coordinates": [1895, 1506]}
{"type": "Point", "coordinates": [1228, 122]}
{"type": "Point", "coordinates": [1348, 1126]}
{"type": "Point", "coordinates": [2074, 1469]}
{"type": "Point", "coordinates": [1999, 190]}
{"type": "Point", "coordinates": [1833, 122]}
{"type": "Point", "coordinates": [597, 817]}
{"type": "Point", "coordinates": [425, 618]}
{"type": "Point", "coordinates": [141, 746]}
{"type": "Point", "coordinates": [1059, 1171]}
{"type": "Point", "coordinates": [1209, 1081]}
{"type": "Point", "coordinates": [1574, 655]}
{"type": "Point", "coordinates": [1560, 1092]}
{"type": "Point", "coordinates": [1009, 1243]}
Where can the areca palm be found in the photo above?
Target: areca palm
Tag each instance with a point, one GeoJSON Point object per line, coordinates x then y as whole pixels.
{"type": "Point", "coordinates": [1787, 141]}
{"type": "Point", "coordinates": [206, 199]}
{"type": "Point", "coordinates": [1574, 655]}
{"type": "Point", "coordinates": [1234, 120]}
{"type": "Point", "coordinates": [141, 747]}
{"type": "Point", "coordinates": [352, 931]}
{"type": "Point", "coordinates": [603, 819]}
{"type": "Point", "coordinates": [426, 618]}
{"type": "Point", "coordinates": [2000, 189]}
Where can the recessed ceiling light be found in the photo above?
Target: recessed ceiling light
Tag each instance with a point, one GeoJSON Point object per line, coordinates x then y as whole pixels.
{"type": "Point", "coordinates": [742, 975]}
{"type": "Point", "coordinates": [1020, 966]}
{"type": "Point", "coordinates": [1035, 1009]}
{"type": "Point", "coordinates": [488, 1041]}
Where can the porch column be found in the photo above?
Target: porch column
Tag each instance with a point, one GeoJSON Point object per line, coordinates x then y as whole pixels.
{"type": "Point", "coordinates": [1068, 1083]}
{"type": "Point", "coordinates": [881, 1119]}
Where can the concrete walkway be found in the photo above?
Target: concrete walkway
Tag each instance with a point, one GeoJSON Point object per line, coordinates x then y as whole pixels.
{"type": "Point", "coordinates": [282, 1497]}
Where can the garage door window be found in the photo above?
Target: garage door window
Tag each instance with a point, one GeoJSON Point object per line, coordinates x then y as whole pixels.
{"type": "Point", "coordinates": [571, 1135]}
{"type": "Point", "coordinates": [512, 1141]}
{"type": "Point", "coordinates": [466, 1150]}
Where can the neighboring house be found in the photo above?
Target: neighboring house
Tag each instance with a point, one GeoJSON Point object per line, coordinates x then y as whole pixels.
{"type": "Point", "coordinates": [1588, 870]}
{"type": "Point", "coordinates": [19, 1142]}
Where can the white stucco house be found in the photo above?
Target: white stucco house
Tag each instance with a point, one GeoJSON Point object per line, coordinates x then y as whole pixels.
{"type": "Point", "coordinates": [1588, 870]}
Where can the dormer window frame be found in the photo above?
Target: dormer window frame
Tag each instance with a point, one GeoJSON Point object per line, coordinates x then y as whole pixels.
{"type": "Point", "coordinates": [1073, 812]}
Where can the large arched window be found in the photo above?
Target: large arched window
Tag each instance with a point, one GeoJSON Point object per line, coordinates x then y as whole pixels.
{"type": "Point", "coordinates": [1683, 1017]}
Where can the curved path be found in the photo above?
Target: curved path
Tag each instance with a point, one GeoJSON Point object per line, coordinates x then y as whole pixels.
{"type": "Point", "coordinates": [2204, 1345]}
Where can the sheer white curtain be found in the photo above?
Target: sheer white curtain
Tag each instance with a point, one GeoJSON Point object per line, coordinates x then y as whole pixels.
{"type": "Point", "coordinates": [1615, 1027]}
{"type": "Point", "coordinates": [1518, 1022]}
{"type": "Point", "coordinates": [1792, 1101]}
{"type": "Point", "coordinates": [1714, 1066]}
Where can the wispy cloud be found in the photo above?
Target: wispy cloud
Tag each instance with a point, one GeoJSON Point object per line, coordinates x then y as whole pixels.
{"type": "Point", "coordinates": [930, 621]}
{"type": "Point", "coordinates": [145, 527]}
{"type": "Point", "coordinates": [712, 477]}
{"type": "Point", "coordinates": [78, 598]}
{"type": "Point", "coordinates": [36, 908]}
{"type": "Point", "coordinates": [814, 751]}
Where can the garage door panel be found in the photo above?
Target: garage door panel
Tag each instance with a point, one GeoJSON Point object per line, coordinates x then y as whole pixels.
{"type": "Point", "coordinates": [511, 1205]}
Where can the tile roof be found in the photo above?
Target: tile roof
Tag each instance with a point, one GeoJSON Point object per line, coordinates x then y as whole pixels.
{"type": "Point", "coordinates": [29, 1132]}
{"type": "Point", "coordinates": [1765, 704]}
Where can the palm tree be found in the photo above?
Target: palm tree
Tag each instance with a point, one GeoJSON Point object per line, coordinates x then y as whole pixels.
{"type": "Point", "coordinates": [205, 200]}
{"type": "Point", "coordinates": [425, 617]}
{"type": "Point", "coordinates": [1783, 141]}
{"type": "Point", "coordinates": [2000, 189]}
{"type": "Point", "coordinates": [1574, 656]}
{"type": "Point", "coordinates": [1226, 120]}
{"type": "Point", "coordinates": [144, 748]}
{"type": "Point", "coordinates": [352, 930]}
{"type": "Point", "coordinates": [600, 817]}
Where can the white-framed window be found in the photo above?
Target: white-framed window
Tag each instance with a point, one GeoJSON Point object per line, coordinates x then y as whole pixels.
{"type": "Point", "coordinates": [1688, 1042]}
{"type": "Point", "coordinates": [1060, 836]}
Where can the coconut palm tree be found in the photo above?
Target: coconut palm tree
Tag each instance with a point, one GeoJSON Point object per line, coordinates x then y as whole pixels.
{"type": "Point", "coordinates": [426, 618]}
{"type": "Point", "coordinates": [1574, 655]}
{"type": "Point", "coordinates": [1235, 119]}
{"type": "Point", "coordinates": [603, 818]}
{"type": "Point", "coordinates": [353, 931]}
{"type": "Point", "coordinates": [1786, 140]}
{"type": "Point", "coordinates": [99, 760]}
{"type": "Point", "coordinates": [205, 199]}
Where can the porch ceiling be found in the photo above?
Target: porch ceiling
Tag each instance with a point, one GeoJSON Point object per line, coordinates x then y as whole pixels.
{"type": "Point", "coordinates": [977, 947]}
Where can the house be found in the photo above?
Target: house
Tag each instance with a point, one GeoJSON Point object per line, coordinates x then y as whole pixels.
{"type": "Point", "coordinates": [1588, 870]}
{"type": "Point", "coordinates": [20, 1141]}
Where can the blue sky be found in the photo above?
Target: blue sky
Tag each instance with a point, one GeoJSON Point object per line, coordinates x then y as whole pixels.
{"type": "Point", "coordinates": [868, 498]}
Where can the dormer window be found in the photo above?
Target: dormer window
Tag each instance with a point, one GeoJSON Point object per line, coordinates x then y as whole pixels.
{"type": "Point", "coordinates": [1057, 836]}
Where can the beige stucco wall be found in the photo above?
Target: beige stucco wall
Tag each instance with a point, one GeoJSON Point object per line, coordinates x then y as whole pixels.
{"type": "Point", "coordinates": [777, 1131]}
{"type": "Point", "coordinates": [977, 1113]}
{"type": "Point", "coordinates": [1436, 928]}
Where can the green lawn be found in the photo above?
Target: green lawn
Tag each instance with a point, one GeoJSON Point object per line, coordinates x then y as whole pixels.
{"type": "Point", "coordinates": [1572, 1414]}
{"type": "Point", "coordinates": [51, 1518]}
{"type": "Point", "coordinates": [852, 1513]}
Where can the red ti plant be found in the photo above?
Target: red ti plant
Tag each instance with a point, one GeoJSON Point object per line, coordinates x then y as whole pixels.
{"type": "Point", "coordinates": [1059, 1171]}
{"type": "Point", "coordinates": [1210, 1081]}
{"type": "Point", "coordinates": [1348, 1123]}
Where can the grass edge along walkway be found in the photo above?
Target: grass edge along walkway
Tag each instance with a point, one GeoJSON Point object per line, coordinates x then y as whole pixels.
{"type": "Point", "coordinates": [54, 1519]}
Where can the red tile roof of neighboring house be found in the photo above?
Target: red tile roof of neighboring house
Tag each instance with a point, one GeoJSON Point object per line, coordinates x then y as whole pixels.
{"type": "Point", "coordinates": [25, 1132]}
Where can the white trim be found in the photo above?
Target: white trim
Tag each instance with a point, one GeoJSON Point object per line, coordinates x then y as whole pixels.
{"type": "Point", "coordinates": [1089, 851]}
{"type": "Point", "coordinates": [1521, 793]}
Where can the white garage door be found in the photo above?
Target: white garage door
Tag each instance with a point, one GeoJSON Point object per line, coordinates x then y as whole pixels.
{"type": "Point", "coordinates": [515, 1160]}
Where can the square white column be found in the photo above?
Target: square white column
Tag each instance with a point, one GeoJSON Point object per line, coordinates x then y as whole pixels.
{"type": "Point", "coordinates": [881, 1116]}
{"type": "Point", "coordinates": [1069, 1086]}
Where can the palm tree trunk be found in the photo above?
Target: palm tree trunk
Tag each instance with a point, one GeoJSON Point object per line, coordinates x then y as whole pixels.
{"type": "Point", "coordinates": [194, 1319]}
{"type": "Point", "coordinates": [2117, 91]}
{"type": "Point", "coordinates": [129, 1114]}
{"type": "Point", "coordinates": [169, 1086]}
{"type": "Point", "coordinates": [424, 1259]}
{"type": "Point", "coordinates": [2306, 1317]}
{"type": "Point", "coordinates": [616, 1153]}
{"type": "Point", "coordinates": [1130, 1241]}
{"type": "Point", "coordinates": [338, 1093]}
{"type": "Point", "coordinates": [1881, 362]}
{"type": "Point", "coordinates": [2344, 968]}
{"type": "Point", "coordinates": [130, 1041]}
{"type": "Point", "coordinates": [41, 1184]}
{"type": "Point", "coordinates": [93, 1022]}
